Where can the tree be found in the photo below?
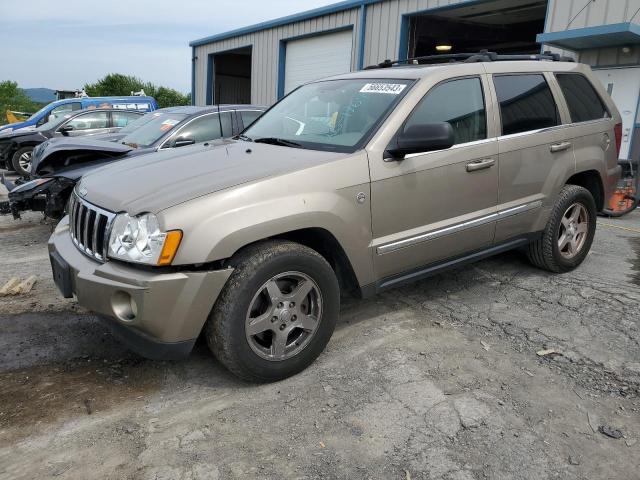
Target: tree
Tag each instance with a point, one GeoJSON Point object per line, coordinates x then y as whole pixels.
{"type": "Point", "coordinates": [14, 98]}
{"type": "Point", "coordinates": [116, 84]}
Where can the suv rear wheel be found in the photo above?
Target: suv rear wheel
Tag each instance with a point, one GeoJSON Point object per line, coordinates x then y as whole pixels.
{"type": "Point", "coordinates": [276, 313]}
{"type": "Point", "coordinates": [569, 233]}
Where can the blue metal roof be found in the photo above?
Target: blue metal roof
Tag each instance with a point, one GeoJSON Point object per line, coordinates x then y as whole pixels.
{"type": "Point", "coordinates": [297, 17]}
{"type": "Point", "coordinates": [602, 36]}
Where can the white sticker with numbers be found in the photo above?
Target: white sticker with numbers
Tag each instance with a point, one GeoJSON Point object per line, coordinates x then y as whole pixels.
{"type": "Point", "coordinates": [390, 88]}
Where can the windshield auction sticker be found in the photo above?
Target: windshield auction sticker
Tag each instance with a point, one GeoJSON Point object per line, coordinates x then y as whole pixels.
{"type": "Point", "coordinates": [390, 88]}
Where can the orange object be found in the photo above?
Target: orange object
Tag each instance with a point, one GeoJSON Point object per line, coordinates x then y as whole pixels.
{"type": "Point", "coordinates": [170, 247]}
{"type": "Point", "coordinates": [623, 196]}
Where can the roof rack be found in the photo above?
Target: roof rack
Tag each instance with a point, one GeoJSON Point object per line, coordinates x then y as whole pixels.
{"type": "Point", "coordinates": [481, 56]}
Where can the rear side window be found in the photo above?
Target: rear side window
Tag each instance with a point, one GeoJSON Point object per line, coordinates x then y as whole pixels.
{"type": "Point", "coordinates": [458, 102]}
{"type": "Point", "coordinates": [583, 101]}
{"type": "Point", "coordinates": [526, 103]}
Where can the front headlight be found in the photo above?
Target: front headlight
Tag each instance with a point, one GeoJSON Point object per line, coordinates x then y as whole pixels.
{"type": "Point", "coordinates": [139, 239]}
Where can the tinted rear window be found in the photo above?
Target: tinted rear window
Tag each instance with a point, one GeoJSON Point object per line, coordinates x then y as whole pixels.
{"type": "Point", "coordinates": [526, 103]}
{"type": "Point", "coordinates": [583, 101]}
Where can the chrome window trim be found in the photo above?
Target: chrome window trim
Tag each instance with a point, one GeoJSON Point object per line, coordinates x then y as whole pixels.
{"type": "Point", "coordinates": [454, 147]}
{"type": "Point", "coordinates": [476, 222]}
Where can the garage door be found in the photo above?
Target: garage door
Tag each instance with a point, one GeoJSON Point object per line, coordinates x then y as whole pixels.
{"type": "Point", "coordinates": [316, 57]}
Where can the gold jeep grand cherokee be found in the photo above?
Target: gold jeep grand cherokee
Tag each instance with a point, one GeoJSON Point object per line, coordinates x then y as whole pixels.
{"type": "Point", "coordinates": [359, 183]}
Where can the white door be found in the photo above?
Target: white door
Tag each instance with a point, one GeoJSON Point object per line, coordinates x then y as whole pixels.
{"type": "Point", "coordinates": [316, 57]}
{"type": "Point", "coordinates": [623, 84]}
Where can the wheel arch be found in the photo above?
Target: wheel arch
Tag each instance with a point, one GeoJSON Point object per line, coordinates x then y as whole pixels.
{"type": "Point", "coordinates": [592, 181]}
{"type": "Point", "coordinates": [326, 244]}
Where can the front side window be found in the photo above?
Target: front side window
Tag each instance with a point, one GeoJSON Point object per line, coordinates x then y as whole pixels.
{"type": "Point", "coordinates": [331, 115]}
{"type": "Point", "coordinates": [458, 102]}
{"type": "Point", "coordinates": [159, 125]}
{"type": "Point", "coordinates": [526, 103]}
{"type": "Point", "coordinates": [583, 101]}
{"type": "Point", "coordinates": [249, 116]}
{"type": "Point", "coordinates": [89, 121]}
{"type": "Point", "coordinates": [122, 119]}
{"type": "Point", "coordinates": [206, 128]}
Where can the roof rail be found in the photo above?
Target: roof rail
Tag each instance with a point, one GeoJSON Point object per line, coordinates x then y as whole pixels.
{"type": "Point", "coordinates": [481, 56]}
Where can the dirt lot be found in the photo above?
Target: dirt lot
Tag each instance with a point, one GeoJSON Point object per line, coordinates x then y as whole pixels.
{"type": "Point", "coordinates": [437, 380]}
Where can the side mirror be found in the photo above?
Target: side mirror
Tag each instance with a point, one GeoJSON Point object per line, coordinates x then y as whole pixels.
{"type": "Point", "coordinates": [424, 137]}
{"type": "Point", "coordinates": [183, 142]}
{"type": "Point", "coordinates": [66, 129]}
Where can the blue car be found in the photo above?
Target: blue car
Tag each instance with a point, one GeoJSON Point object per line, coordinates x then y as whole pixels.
{"type": "Point", "coordinates": [68, 105]}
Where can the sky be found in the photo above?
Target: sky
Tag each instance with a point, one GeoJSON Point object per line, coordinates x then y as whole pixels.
{"type": "Point", "coordinates": [65, 44]}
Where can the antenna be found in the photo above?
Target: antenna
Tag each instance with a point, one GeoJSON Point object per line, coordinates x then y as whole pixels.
{"type": "Point", "coordinates": [219, 116]}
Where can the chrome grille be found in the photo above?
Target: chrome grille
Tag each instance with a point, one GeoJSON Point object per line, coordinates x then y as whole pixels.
{"type": "Point", "coordinates": [89, 227]}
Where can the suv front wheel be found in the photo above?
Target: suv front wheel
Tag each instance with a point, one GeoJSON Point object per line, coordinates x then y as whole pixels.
{"type": "Point", "coordinates": [569, 232]}
{"type": "Point", "coordinates": [276, 313]}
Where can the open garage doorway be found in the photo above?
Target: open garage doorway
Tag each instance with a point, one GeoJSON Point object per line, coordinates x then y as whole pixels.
{"type": "Point", "coordinates": [503, 26]}
{"type": "Point", "coordinates": [232, 76]}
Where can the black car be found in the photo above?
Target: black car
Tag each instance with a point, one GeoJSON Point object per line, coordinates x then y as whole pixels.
{"type": "Point", "coordinates": [16, 147]}
{"type": "Point", "coordinates": [59, 163]}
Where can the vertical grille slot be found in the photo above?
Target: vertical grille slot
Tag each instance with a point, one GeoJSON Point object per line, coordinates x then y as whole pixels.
{"type": "Point", "coordinates": [89, 227]}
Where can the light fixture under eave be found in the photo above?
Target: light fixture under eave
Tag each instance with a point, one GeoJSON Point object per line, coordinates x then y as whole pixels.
{"type": "Point", "coordinates": [443, 46]}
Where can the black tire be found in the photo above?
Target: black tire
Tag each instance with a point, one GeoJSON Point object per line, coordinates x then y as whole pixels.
{"type": "Point", "coordinates": [8, 165]}
{"type": "Point", "coordinates": [225, 329]}
{"type": "Point", "coordinates": [15, 161]}
{"type": "Point", "coordinates": [545, 252]}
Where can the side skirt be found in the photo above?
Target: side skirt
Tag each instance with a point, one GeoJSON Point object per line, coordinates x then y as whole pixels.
{"type": "Point", "coordinates": [432, 269]}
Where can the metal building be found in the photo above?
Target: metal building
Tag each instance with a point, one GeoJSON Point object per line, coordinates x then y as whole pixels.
{"type": "Point", "coordinates": [263, 62]}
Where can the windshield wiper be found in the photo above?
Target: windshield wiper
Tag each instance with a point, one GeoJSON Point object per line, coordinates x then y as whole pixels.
{"type": "Point", "coordinates": [278, 141]}
{"type": "Point", "coordinates": [243, 137]}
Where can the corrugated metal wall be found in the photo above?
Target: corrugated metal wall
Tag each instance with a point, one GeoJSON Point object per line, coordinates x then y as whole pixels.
{"type": "Point", "coordinates": [382, 37]}
{"type": "Point", "coordinates": [571, 14]}
{"type": "Point", "coordinates": [264, 63]}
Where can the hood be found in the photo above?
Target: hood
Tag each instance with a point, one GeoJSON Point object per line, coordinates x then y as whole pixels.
{"type": "Point", "coordinates": [18, 132]}
{"type": "Point", "coordinates": [12, 126]}
{"type": "Point", "coordinates": [62, 152]}
{"type": "Point", "coordinates": [159, 180]}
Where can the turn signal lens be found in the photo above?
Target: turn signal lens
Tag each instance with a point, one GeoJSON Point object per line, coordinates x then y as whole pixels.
{"type": "Point", "coordinates": [170, 247]}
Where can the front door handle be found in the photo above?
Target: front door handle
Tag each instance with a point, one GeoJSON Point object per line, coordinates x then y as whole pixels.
{"type": "Point", "coordinates": [480, 164]}
{"type": "Point", "coordinates": [559, 147]}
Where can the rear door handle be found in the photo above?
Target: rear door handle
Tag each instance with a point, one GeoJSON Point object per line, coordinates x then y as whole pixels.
{"type": "Point", "coordinates": [559, 147]}
{"type": "Point", "coordinates": [480, 164]}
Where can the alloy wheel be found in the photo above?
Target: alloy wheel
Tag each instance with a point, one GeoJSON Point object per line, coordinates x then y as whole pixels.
{"type": "Point", "coordinates": [25, 161]}
{"type": "Point", "coordinates": [574, 227]}
{"type": "Point", "coordinates": [283, 316]}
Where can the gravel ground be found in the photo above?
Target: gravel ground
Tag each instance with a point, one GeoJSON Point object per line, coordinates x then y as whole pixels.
{"type": "Point", "coordinates": [437, 380]}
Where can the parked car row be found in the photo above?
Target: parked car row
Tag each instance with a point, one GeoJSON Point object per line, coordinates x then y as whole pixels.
{"type": "Point", "coordinates": [63, 107]}
{"type": "Point", "coordinates": [55, 160]}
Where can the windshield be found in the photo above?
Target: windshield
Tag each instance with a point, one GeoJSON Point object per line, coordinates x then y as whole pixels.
{"type": "Point", "coordinates": [137, 123]}
{"type": "Point", "coordinates": [37, 114]}
{"type": "Point", "coordinates": [152, 130]}
{"type": "Point", "coordinates": [332, 115]}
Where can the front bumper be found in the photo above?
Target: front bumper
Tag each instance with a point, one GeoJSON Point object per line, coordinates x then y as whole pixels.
{"type": "Point", "coordinates": [157, 315]}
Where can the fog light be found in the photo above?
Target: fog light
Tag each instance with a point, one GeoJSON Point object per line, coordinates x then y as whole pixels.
{"type": "Point", "coordinates": [124, 306]}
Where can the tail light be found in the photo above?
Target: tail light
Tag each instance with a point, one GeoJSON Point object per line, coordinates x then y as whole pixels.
{"type": "Point", "coordinates": [617, 130]}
